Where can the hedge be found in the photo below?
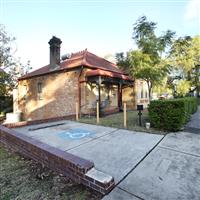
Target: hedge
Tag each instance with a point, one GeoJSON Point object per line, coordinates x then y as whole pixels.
{"type": "Point", "coordinates": [171, 115]}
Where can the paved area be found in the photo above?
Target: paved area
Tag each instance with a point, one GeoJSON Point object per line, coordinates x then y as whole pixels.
{"type": "Point", "coordinates": [50, 133]}
{"type": "Point", "coordinates": [118, 152]}
{"type": "Point", "coordinates": [194, 123]}
{"type": "Point", "coordinates": [145, 166]}
{"type": "Point", "coordinates": [114, 151]}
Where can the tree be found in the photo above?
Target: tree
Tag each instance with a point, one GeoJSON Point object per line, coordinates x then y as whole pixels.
{"type": "Point", "coordinates": [123, 62]}
{"type": "Point", "coordinates": [185, 59]}
{"type": "Point", "coordinates": [147, 41]}
{"type": "Point", "coordinates": [5, 83]}
{"type": "Point", "coordinates": [182, 88]}
{"type": "Point", "coordinates": [148, 63]}
{"type": "Point", "coordinates": [145, 68]}
{"type": "Point", "coordinates": [6, 54]}
{"type": "Point", "coordinates": [10, 67]}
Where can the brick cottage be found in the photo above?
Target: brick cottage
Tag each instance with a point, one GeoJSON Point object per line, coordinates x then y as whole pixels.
{"type": "Point", "coordinates": [53, 90]}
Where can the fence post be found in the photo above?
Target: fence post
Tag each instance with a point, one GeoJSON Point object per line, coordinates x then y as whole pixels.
{"type": "Point", "coordinates": [77, 111]}
{"type": "Point", "coordinates": [125, 125]}
{"type": "Point", "coordinates": [97, 112]}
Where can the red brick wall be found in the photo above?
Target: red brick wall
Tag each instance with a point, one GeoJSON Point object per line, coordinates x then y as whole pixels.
{"type": "Point", "coordinates": [58, 97]}
{"type": "Point", "coordinates": [71, 166]}
{"type": "Point", "coordinates": [60, 94]}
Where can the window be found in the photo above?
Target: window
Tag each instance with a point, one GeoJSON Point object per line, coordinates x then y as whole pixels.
{"type": "Point", "coordinates": [146, 94]}
{"type": "Point", "coordinates": [24, 92]}
{"type": "Point", "coordinates": [39, 91]}
{"type": "Point", "coordinates": [142, 92]}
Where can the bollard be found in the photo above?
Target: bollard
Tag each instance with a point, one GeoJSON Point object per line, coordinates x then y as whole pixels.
{"type": "Point", "coordinates": [77, 111]}
{"type": "Point", "coordinates": [125, 125]}
{"type": "Point", "coordinates": [97, 112]}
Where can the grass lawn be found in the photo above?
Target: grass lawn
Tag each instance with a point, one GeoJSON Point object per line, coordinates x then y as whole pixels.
{"type": "Point", "coordinates": [116, 120]}
{"type": "Point", "coordinates": [22, 178]}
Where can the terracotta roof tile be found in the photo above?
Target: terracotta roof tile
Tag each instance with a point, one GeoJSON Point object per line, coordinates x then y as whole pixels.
{"type": "Point", "coordinates": [82, 58]}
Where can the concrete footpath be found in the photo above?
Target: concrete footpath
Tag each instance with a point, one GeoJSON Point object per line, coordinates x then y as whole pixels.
{"type": "Point", "coordinates": [194, 124]}
{"type": "Point", "coordinates": [170, 171]}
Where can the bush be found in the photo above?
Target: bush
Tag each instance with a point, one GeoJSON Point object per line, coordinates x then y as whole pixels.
{"type": "Point", "coordinates": [6, 104]}
{"type": "Point", "coordinates": [171, 115]}
{"type": "Point", "coordinates": [198, 100]}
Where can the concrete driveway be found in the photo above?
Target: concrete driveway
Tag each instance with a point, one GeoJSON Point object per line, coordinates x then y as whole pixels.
{"type": "Point", "coordinates": [144, 166]}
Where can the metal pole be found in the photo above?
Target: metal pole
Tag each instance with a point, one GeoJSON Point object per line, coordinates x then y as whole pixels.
{"type": "Point", "coordinates": [140, 119]}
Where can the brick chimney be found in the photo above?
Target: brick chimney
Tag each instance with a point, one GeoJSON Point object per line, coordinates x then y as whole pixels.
{"type": "Point", "coordinates": [54, 43]}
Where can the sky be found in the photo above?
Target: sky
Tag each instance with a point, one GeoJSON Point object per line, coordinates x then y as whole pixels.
{"type": "Point", "coordinates": [102, 26]}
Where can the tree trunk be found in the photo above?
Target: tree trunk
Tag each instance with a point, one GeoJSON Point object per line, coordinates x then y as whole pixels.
{"type": "Point", "coordinates": [149, 89]}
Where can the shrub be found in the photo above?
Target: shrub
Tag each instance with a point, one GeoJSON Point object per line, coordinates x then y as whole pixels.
{"type": "Point", "coordinates": [171, 115]}
{"type": "Point", "coordinates": [6, 104]}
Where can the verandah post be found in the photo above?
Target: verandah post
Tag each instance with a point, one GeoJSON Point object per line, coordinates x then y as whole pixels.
{"type": "Point", "coordinates": [77, 111]}
{"type": "Point", "coordinates": [97, 113]}
{"type": "Point", "coordinates": [125, 124]}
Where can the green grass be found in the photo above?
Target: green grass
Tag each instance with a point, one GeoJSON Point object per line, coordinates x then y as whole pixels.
{"type": "Point", "coordinates": [116, 120]}
{"type": "Point", "coordinates": [22, 178]}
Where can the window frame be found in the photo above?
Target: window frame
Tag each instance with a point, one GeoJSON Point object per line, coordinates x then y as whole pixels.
{"type": "Point", "coordinates": [39, 90]}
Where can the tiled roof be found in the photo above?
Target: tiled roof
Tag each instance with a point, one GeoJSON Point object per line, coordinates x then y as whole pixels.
{"type": "Point", "coordinates": [100, 72]}
{"type": "Point", "coordinates": [82, 58]}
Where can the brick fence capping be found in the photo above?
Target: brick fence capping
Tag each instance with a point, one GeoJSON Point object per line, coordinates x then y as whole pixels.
{"type": "Point", "coordinates": [78, 169]}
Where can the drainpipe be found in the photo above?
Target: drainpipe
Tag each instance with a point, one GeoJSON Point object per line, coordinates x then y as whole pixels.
{"type": "Point", "coordinates": [79, 90]}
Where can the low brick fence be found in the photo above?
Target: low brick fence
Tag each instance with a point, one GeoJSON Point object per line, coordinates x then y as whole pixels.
{"type": "Point", "coordinates": [78, 169]}
{"type": "Point", "coordinates": [40, 121]}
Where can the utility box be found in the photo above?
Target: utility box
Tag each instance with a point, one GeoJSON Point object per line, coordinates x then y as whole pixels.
{"type": "Point", "coordinates": [13, 117]}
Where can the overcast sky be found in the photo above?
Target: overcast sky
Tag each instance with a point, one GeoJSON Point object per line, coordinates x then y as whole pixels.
{"type": "Point", "coordinates": [102, 26]}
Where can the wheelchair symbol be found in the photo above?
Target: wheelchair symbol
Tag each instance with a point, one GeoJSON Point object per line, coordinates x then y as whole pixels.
{"type": "Point", "coordinates": [75, 134]}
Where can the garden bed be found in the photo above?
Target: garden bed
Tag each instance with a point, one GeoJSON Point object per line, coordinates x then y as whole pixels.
{"type": "Point", "coordinates": [116, 120]}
